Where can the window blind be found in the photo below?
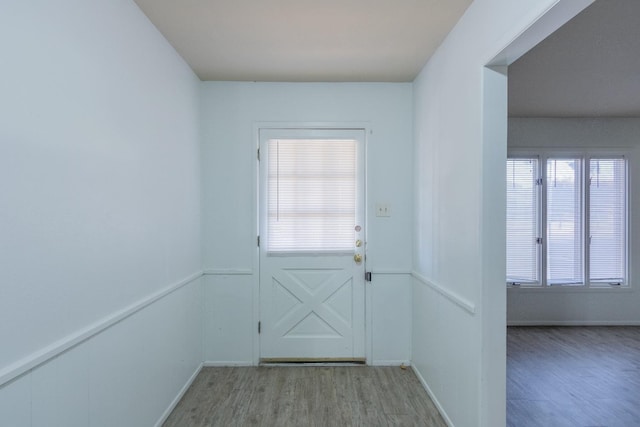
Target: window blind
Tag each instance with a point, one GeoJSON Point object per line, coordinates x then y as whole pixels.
{"type": "Point", "coordinates": [522, 221]}
{"type": "Point", "coordinates": [607, 220]}
{"type": "Point", "coordinates": [311, 195]}
{"type": "Point", "coordinates": [564, 222]}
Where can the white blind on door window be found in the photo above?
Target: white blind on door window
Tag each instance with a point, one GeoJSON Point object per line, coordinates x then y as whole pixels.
{"type": "Point", "coordinates": [607, 220]}
{"type": "Point", "coordinates": [564, 222]}
{"type": "Point", "coordinates": [522, 221]}
{"type": "Point", "coordinates": [311, 195]}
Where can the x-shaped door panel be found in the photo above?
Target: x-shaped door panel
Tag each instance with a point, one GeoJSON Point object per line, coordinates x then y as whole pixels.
{"type": "Point", "coordinates": [314, 305]}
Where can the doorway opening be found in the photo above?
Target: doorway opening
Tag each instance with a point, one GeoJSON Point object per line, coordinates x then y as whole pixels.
{"type": "Point", "coordinates": [575, 108]}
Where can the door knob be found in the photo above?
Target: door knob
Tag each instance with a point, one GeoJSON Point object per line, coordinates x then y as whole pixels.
{"type": "Point", "coordinates": [357, 258]}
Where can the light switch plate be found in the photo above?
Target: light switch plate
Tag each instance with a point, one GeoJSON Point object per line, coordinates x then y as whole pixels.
{"type": "Point", "coordinates": [383, 209]}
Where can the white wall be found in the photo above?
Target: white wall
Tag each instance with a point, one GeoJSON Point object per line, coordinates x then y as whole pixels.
{"type": "Point", "coordinates": [130, 374]}
{"type": "Point", "coordinates": [582, 306]}
{"type": "Point", "coordinates": [230, 111]}
{"type": "Point", "coordinates": [459, 295]}
{"type": "Point", "coordinates": [99, 216]}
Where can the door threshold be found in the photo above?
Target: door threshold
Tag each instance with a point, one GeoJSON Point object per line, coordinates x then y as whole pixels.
{"type": "Point", "coordinates": [312, 361]}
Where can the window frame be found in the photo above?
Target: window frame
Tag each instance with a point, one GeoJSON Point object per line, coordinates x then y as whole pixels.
{"type": "Point", "coordinates": [526, 155]}
{"type": "Point", "coordinates": [608, 155]}
{"type": "Point", "coordinates": [585, 155]}
{"type": "Point", "coordinates": [581, 189]}
{"type": "Point", "coordinates": [267, 132]}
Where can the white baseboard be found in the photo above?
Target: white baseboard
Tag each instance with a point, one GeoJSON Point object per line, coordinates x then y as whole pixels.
{"type": "Point", "coordinates": [228, 272]}
{"type": "Point", "coordinates": [433, 397]}
{"type": "Point", "coordinates": [227, 363]}
{"type": "Point", "coordinates": [573, 323]}
{"type": "Point", "coordinates": [391, 363]}
{"type": "Point", "coordinates": [175, 401]}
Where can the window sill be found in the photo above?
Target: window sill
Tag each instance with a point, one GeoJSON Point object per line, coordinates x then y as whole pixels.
{"type": "Point", "coordinates": [569, 289]}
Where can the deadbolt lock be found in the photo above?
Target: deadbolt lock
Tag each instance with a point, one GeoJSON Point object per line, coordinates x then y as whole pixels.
{"type": "Point", "coordinates": [358, 243]}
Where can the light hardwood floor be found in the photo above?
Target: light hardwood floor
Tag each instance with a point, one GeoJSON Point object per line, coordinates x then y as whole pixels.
{"type": "Point", "coordinates": [306, 396]}
{"type": "Point", "coordinates": [573, 376]}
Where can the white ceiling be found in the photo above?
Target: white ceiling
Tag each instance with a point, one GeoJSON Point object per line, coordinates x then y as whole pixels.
{"type": "Point", "coordinates": [590, 67]}
{"type": "Point", "coordinates": [305, 40]}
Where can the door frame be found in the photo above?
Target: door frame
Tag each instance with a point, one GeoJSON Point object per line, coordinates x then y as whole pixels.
{"type": "Point", "coordinates": [255, 309]}
{"type": "Point", "coordinates": [494, 118]}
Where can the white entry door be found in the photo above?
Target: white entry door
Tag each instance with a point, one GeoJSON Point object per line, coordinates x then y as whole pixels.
{"type": "Point", "coordinates": [312, 245]}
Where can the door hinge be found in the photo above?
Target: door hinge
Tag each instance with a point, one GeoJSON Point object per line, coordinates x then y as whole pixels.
{"type": "Point", "coordinates": [258, 154]}
{"type": "Point", "coordinates": [539, 181]}
{"type": "Point", "coordinates": [259, 327]}
{"type": "Point", "coordinates": [258, 241]}
{"type": "Point", "coordinates": [367, 276]}
{"type": "Point", "coordinates": [539, 240]}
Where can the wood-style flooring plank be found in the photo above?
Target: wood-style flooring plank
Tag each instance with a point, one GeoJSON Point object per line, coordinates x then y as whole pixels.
{"type": "Point", "coordinates": [322, 396]}
{"type": "Point", "coordinates": [573, 376]}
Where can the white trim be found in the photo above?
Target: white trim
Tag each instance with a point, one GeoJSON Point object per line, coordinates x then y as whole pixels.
{"type": "Point", "coordinates": [178, 397]}
{"type": "Point", "coordinates": [535, 27]}
{"type": "Point", "coordinates": [461, 302]}
{"type": "Point", "coordinates": [433, 397]}
{"type": "Point", "coordinates": [228, 272]}
{"type": "Point", "coordinates": [391, 271]}
{"type": "Point", "coordinates": [368, 323]}
{"type": "Point", "coordinates": [255, 215]}
{"type": "Point", "coordinates": [260, 129]}
{"type": "Point", "coordinates": [227, 363]}
{"type": "Point", "coordinates": [287, 125]}
{"type": "Point", "coordinates": [404, 362]}
{"type": "Point", "coordinates": [584, 154]}
{"type": "Point", "coordinates": [47, 353]}
{"type": "Point", "coordinates": [573, 323]}
{"type": "Point", "coordinates": [542, 290]}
